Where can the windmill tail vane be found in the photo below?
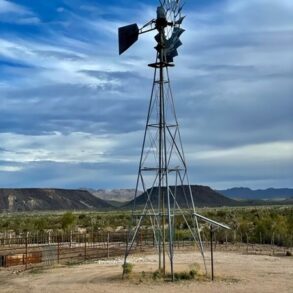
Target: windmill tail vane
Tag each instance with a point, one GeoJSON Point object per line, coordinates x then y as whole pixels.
{"type": "Point", "coordinates": [162, 173]}
{"type": "Point", "coordinates": [168, 19]}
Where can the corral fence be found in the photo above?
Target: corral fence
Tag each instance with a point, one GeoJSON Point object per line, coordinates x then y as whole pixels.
{"type": "Point", "coordinates": [66, 248]}
{"type": "Point", "coordinates": [49, 249]}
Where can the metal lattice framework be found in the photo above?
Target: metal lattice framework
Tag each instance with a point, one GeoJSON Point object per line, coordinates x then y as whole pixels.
{"type": "Point", "coordinates": [162, 173]}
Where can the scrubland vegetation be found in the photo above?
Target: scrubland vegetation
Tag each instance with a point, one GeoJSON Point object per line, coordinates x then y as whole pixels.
{"type": "Point", "coordinates": [265, 225]}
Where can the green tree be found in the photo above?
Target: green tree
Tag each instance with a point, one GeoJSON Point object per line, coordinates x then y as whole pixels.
{"type": "Point", "coordinates": [68, 221]}
{"type": "Point", "coordinates": [41, 224]}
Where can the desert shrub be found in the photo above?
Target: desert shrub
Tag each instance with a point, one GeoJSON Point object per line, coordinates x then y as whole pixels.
{"type": "Point", "coordinates": [127, 268]}
{"type": "Point", "coordinates": [185, 275]}
{"type": "Point", "coordinates": [36, 270]}
{"type": "Point", "coordinates": [192, 273]}
{"type": "Point", "coordinates": [182, 235]}
{"type": "Point", "coordinates": [157, 275]}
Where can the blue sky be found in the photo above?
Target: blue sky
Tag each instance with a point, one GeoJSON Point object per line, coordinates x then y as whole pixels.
{"type": "Point", "coordinates": [72, 111]}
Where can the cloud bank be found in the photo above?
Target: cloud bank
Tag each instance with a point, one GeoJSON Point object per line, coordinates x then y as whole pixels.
{"type": "Point", "coordinates": [72, 111]}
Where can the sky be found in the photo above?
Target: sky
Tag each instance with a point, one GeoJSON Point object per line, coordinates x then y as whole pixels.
{"type": "Point", "coordinates": [72, 111]}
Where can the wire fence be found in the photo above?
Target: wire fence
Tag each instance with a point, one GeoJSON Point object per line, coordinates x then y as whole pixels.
{"type": "Point", "coordinates": [48, 249]}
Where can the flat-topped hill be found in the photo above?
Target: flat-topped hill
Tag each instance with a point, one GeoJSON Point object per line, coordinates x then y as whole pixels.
{"type": "Point", "coordinates": [37, 199]}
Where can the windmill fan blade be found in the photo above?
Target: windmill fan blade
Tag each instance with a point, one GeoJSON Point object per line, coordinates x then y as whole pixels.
{"type": "Point", "coordinates": [177, 32]}
{"type": "Point", "coordinates": [180, 20]}
{"type": "Point", "coordinates": [179, 10]}
{"type": "Point", "coordinates": [176, 45]}
{"type": "Point", "coordinates": [128, 35]}
{"type": "Point", "coordinates": [173, 54]}
{"type": "Point", "coordinates": [158, 38]}
{"type": "Point", "coordinates": [170, 55]}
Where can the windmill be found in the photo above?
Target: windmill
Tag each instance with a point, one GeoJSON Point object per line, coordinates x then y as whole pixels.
{"type": "Point", "coordinates": [162, 172]}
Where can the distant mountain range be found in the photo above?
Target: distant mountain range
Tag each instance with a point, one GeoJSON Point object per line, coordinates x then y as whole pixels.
{"type": "Point", "coordinates": [288, 201]}
{"type": "Point", "coordinates": [119, 195]}
{"type": "Point", "coordinates": [35, 199]}
{"type": "Point", "coordinates": [259, 194]}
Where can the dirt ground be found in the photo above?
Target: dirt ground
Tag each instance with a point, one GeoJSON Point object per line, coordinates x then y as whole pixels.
{"type": "Point", "coordinates": [235, 272]}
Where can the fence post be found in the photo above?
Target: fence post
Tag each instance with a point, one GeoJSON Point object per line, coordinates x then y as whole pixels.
{"type": "Point", "coordinates": [58, 249]}
{"type": "Point", "coordinates": [127, 235]}
{"type": "Point", "coordinates": [141, 239]}
{"type": "Point", "coordinates": [85, 247]}
{"type": "Point", "coordinates": [26, 248]}
{"type": "Point", "coordinates": [215, 240]}
{"type": "Point", "coordinates": [212, 253]}
{"type": "Point", "coordinates": [260, 238]}
{"type": "Point", "coordinates": [70, 245]}
{"type": "Point", "coordinates": [108, 240]}
{"type": "Point", "coordinates": [91, 239]}
{"type": "Point", "coordinates": [246, 242]}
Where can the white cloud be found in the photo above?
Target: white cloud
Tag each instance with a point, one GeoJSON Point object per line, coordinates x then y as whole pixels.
{"type": "Point", "coordinates": [10, 168]}
{"type": "Point", "coordinates": [28, 20]}
{"type": "Point", "coordinates": [232, 80]}
{"type": "Point", "coordinates": [9, 7]}
{"type": "Point", "coordinates": [57, 64]}
{"type": "Point", "coordinates": [14, 13]}
{"type": "Point", "coordinates": [72, 148]}
{"type": "Point", "coordinates": [60, 9]}
{"type": "Point", "coordinates": [249, 154]}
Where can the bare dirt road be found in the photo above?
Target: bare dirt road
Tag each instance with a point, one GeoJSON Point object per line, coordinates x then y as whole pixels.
{"type": "Point", "coordinates": [234, 272]}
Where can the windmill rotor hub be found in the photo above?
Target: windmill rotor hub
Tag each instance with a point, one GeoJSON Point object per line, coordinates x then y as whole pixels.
{"type": "Point", "coordinates": [161, 21]}
{"type": "Point", "coordinates": [167, 22]}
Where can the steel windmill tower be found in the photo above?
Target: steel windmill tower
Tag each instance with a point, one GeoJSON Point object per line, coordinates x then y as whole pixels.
{"type": "Point", "coordinates": [162, 173]}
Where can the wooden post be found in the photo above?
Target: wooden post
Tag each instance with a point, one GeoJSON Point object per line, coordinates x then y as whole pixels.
{"type": "Point", "coordinates": [26, 248]}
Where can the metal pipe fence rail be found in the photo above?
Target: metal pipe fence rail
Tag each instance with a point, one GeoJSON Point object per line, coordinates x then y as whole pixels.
{"type": "Point", "coordinates": [49, 249]}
